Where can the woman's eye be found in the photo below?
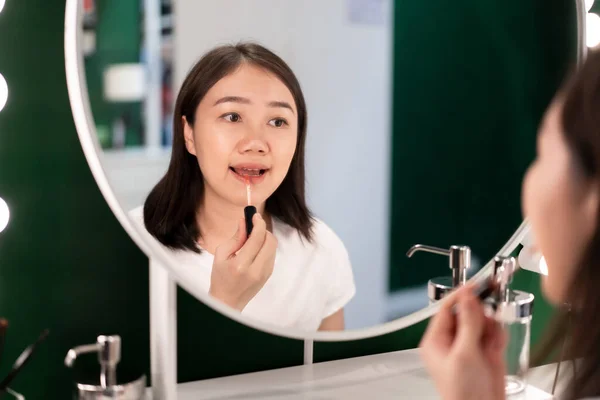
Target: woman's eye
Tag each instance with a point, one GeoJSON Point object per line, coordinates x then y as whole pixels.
{"type": "Point", "coordinates": [278, 122]}
{"type": "Point", "coordinates": [232, 117]}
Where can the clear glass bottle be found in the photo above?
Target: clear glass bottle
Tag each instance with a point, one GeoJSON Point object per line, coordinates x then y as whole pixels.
{"type": "Point", "coordinates": [513, 310]}
{"type": "Point", "coordinates": [514, 313]}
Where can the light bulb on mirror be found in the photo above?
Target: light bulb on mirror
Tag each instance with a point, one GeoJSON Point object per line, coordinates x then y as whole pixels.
{"type": "Point", "coordinates": [3, 91]}
{"type": "Point", "coordinates": [2, 4]}
{"type": "Point", "coordinates": [588, 5]}
{"type": "Point", "coordinates": [592, 34]}
{"type": "Point", "coordinates": [4, 213]}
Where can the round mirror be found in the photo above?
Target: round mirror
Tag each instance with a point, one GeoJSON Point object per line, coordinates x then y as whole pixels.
{"type": "Point", "coordinates": [350, 138]}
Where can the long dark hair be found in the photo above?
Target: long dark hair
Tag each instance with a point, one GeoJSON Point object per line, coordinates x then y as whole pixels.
{"type": "Point", "coordinates": [171, 207]}
{"type": "Point", "coordinates": [580, 328]}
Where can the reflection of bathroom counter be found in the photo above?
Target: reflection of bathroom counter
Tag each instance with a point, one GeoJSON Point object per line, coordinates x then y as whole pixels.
{"type": "Point", "coordinates": [397, 375]}
{"type": "Point", "coordinates": [133, 172]}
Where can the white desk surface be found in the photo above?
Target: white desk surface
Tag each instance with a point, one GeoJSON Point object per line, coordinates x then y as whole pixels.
{"type": "Point", "coordinates": [396, 375]}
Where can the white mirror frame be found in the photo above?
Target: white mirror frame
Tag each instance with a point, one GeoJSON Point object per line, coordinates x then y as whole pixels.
{"type": "Point", "coordinates": [164, 275]}
{"type": "Point", "coordinates": [86, 130]}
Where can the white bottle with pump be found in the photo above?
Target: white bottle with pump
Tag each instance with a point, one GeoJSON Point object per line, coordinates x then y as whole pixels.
{"type": "Point", "coordinates": [459, 261]}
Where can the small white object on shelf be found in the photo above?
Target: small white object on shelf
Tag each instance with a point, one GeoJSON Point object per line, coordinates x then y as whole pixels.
{"type": "Point", "coordinates": [125, 82]}
{"type": "Point", "coordinates": [88, 42]}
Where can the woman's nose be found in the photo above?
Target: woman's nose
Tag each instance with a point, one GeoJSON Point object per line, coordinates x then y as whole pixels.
{"type": "Point", "coordinates": [253, 145]}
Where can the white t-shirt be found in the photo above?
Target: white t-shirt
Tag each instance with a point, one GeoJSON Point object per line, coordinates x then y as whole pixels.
{"type": "Point", "coordinates": [310, 281]}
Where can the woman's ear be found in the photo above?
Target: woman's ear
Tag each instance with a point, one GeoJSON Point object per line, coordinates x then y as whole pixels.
{"type": "Point", "coordinates": [188, 136]}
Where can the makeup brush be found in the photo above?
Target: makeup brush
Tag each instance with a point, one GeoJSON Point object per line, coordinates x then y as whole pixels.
{"type": "Point", "coordinates": [249, 210]}
{"type": "Point", "coordinates": [486, 290]}
{"type": "Point", "coordinates": [482, 292]}
{"type": "Point", "coordinates": [492, 286]}
{"type": "Point", "coordinates": [21, 361]}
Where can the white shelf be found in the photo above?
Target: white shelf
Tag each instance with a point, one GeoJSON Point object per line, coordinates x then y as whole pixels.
{"type": "Point", "coordinates": [397, 375]}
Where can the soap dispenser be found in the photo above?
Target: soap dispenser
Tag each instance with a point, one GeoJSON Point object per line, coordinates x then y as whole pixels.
{"type": "Point", "coordinates": [107, 386]}
{"type": "Point", "coordinates": [513, 310]}
{"type": "Point", "coordinates": [460, 262]}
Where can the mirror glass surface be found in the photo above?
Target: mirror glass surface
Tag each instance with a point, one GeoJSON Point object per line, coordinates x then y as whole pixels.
{"type": "Point", "coordinates": [413, 136]}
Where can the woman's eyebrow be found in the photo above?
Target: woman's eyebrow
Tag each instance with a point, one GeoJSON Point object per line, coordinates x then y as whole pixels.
{"type": "Point", "coordinates": [233, 99]}
{"type": "Point", "coordinates": [281, 104]}
{"type": "Point", "coordinates": [244, 100]}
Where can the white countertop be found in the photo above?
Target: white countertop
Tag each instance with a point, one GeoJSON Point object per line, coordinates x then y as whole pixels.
{"type": "Point", "coordinates": [396, 375]}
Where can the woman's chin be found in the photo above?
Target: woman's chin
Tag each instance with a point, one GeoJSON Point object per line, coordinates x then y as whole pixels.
{"type": "Point", "coordinates": [243, 202]}
{"type": "Point", "coordinates": [239, 202]}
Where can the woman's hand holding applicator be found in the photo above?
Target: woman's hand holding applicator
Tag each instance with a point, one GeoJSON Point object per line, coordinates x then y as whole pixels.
{"type": "Point", "coordinates": [244, 263]}
{"type": "Point", "coordinates": [242, 267]}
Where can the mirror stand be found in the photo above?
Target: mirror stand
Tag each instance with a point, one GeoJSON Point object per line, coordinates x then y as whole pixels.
{"type": "Point", "coordinates": [163, 332]}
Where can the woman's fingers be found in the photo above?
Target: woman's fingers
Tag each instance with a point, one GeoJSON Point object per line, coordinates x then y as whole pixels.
{"type": "Point", "coordinates": [442, 327]}
{"type": "Point", "coordinates": [249, 251]}
{"type": "Point", "coordinates": [471, 321]}
{"type": "Point", "coordinates": [265, 259]}
{"type": "Point", "coordinates": [231, 246]}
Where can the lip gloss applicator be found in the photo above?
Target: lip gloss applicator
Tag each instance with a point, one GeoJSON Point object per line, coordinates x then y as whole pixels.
{"type": "Point", "coordinates": [249, 210]}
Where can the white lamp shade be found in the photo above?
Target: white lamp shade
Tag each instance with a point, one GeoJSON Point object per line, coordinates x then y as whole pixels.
{"type": "Point", "coordinates": [125, 83]}
{"type": "Point", "coordinates": [1, 5]}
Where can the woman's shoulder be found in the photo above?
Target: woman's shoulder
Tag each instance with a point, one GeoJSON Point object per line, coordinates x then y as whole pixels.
{"type": "Point", "coordinates": [324, 237]}
{"type": "Point", "coordinates": [137, 215]}
{"type": "Point", "coordinates": [323, 233]}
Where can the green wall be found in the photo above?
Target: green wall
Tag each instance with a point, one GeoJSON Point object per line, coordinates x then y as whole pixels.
{"type": "Point", "coordinates": [65, 262]}
{"type": "Point", "coordinates": [67, 265]}
{"type": "Point", "coordinates": [471, 81]}
{"type": "Point", "coordinates": [118, 38]}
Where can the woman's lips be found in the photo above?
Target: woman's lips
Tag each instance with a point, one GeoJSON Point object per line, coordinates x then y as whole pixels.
{"type": "Point", "coordinates": [254, 176]}
{"type": "Point", "coordinates": [254, 171]}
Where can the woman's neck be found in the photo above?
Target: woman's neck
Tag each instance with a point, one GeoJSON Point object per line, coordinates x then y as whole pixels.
{"type": "Point", "coordinates": [218, 220]}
